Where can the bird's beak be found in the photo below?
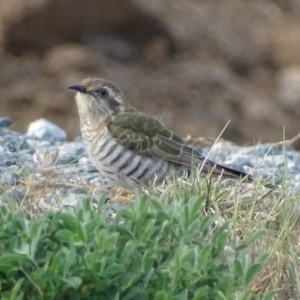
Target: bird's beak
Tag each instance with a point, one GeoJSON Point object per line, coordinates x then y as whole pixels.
{"type": "Point", "coordinates": [78, 88]}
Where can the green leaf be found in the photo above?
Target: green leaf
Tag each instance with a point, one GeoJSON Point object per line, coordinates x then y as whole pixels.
{"type": "Point", "coordinates": [262, 258]}
{"type": "Point", "coordinates": [252, 271]}
{"type": "Point", "coordinates": [148, 277]}
{"type": "Point", "coordinates": [149, 256]}
{"type": "Point", "coordinates": [157, 205]}
{"type": "Point", "coordinates": [19, 222]}
{"type": "Point", "coordinates": [102, 200]}
{"type": "Point", "coordinates": [113, 239]}
{"type": "Point", "coordinates": [73, 281]}
{"type": "Point", "coordinates": [197, 205]}
{"type": "Point", "coordinates": [137, 260]}
{"type": "Point", "coordinates": [35, 230]}
{"type": "Point", "coordinates": [163, 217]}
{"type": "Point", "coordinates": [163, 295]}
{"type": "Point", "coordinates": [221, 296]}
{"type": "Point", "coordinates": [55, 219]}
{"type": "Point", "coordinates": [126, 214]}
{"type": "Point", "coordinates": [113, 270]}
{"type": "Point", "coordinates": [57, 262]}
{"type": "Point", "coordinates": [70, 257]}
{"type": "Point", "coordinates": [201, 293]}
{"type": "Point", "coordinates": [238, 268]}
{"type": "Point", "coordinates": [69, 221]}
{"type": "Point", "coordinates": [64, 235]}
{"type": "Point", "coordinates": [230, 288]}
{"type": "Point", "coordinates": [187, 215]}
{"type": "Point", "coordinates": [24, 249]}
{"type": "Point", "coordinates": [125, 232]}
{"type": "Point", "coordinates": [207, 222]}
{"type": "Point", "coordinates": [147, 231]}
{"type": "Point", "coordinates": [140, 205]}
{"type": "Point", "coordinates": [182, 296]}
{"type": "Point", "coordinates": [13, 260]}
{"type": "Point", "coordinates": [204, 255]}
{"type": "Point", "coordinates": [81, 232]}
{"type": "Point", "coordinates": [102, 237]}
{"type": "Point", "coordinates": [134, 291]}
{"type": "Point", "coordinates": [16, 291]}
{"type": "Point", "coordinates": [250, 240]}
{"type": "Point", "coordinates": [243, 258]}
{"type": "Point", "coordinates": [126, 253]}
{"type": "Point", "coordinates": [221, 236]}
{"type": "Point", "coordinates": [112, 293]}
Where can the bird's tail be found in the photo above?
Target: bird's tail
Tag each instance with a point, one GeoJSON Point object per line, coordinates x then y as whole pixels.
{"type": "Point", "coordinates": [216, 169]}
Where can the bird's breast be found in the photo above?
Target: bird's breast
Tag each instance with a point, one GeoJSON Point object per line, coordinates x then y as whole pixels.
{"type": "Point", "coordinates": [122, 166]}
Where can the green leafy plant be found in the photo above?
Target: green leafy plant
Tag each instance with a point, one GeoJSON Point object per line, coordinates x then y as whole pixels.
{"type": "Point", "coordinates": [150, 251]}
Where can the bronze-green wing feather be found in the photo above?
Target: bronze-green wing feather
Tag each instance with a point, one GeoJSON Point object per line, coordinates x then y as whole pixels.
{"type": "Point", "coordinates": [147, 136]}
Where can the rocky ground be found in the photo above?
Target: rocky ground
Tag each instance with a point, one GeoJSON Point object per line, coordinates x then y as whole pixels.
{"type": "Point", "coordinates": [41, 170]}
{"type": "Point", "coordinates": [198, 63]}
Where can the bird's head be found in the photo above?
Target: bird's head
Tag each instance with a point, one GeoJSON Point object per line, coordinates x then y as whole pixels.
{"type": "Point", "coordinates": [99, 98]}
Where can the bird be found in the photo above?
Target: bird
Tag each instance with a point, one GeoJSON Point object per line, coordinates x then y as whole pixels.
{"type": "Point", "coordinates": [131, 148]}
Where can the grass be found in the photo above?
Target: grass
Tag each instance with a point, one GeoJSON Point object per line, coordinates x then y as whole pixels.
{"type": "Point", "coordinates": [249, 211]}
{"type": "Point", "coordinates": [190, 239]}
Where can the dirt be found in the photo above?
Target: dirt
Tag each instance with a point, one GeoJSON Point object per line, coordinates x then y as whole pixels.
{"type": "Point", "coordinates": [196, 63]}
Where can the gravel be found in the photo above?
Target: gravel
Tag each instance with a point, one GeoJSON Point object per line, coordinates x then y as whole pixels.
{"type": "Point", "coordinates": [65, 175]}
{"type": "Point", "coordinates": [5, 122]}
{"type": "Point", "coordinates": [45, 130]}
{"type": "Point", "coordinates": [264, 160]}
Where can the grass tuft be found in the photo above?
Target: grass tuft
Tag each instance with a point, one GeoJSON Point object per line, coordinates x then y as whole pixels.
{"type": "Point", "coordinates": [190, 239]}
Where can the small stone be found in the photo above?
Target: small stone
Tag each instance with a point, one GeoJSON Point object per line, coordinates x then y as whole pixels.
{"type": "Point", "coordinates": [16, 193]}
{"type": "Point", "coordinates": [8, 159]}
{"type": "Point", "coordinates": [86, 164]}
{"type": "Point", "coordinates": [72, 199]}
{"type": "Point", "coordinates": [238, 167]}
{"type": "Point", "coordinates": [93, 178]}
{"type": "Point", "coordinates": [23, 145]}
{"type": "Point", "coordinates": [276, 161]}
{"type": "Point", "coordinates": [66, 191]}
{"type": "Point", "coordinates": [295, 189]}
{"type": "Point", "coordinates": [269, 175]}
{"type": "Point", "coordinates": [63, 195]}
{"type": "Point", "coordinates": [49, 199]}
{"type": "Point", "coordinates": [26, 160]}
{"type": "Point", "coordinates": [293, 155]}
{"type": "Point", "coordinates": [225, 147]}
{"type": "Point", "coordinates": [44, 130]}
{"type": "Point", "coordinates": [8, 177]}
{"type": "Point", "coordinates": [5, 122]}
{"type": "Point", "coordinates": [17, 145]}
{"type": "Point", "coordinates": [112, 207]}
{"type": "Point", "coordinates": [239, 160]}
{"type": "Point", "coordinates": [8, 146]}
{"type": "Point", "coordinates": [215, 156]}
{"type": "Point", "coordinates": [260, 150]}
{"type": "Point", "coordinates": [69, 153]}
{"type": "Point", "coordinates": [38, 144]}
{"type": "Point", "coordinates": [110, 210]}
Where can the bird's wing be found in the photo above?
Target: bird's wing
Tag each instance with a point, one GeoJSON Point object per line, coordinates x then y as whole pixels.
{"type": "Point", "coordinates": [147, 136]}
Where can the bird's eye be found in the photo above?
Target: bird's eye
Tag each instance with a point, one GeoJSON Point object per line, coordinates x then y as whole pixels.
{"type": "Point", "coordinates": [103, 92]}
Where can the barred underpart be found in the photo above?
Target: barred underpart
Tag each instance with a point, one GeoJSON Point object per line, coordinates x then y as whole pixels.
{"type": "Point", "coordinates": [120, 165]}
